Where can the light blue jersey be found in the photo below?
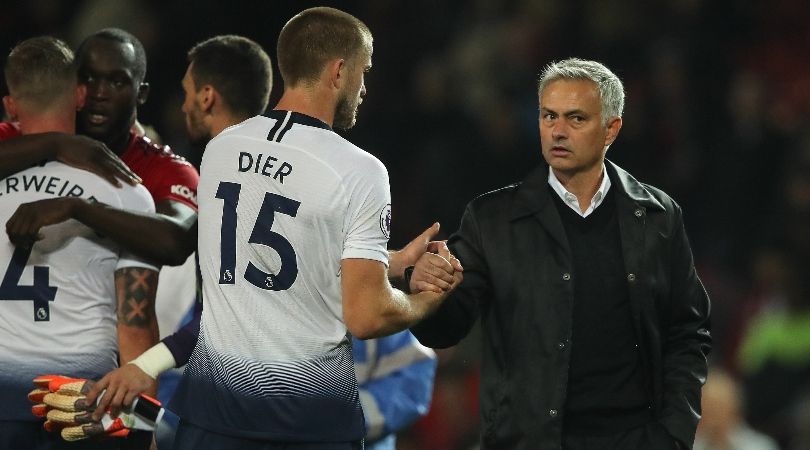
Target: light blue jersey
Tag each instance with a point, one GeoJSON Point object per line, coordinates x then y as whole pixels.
{"type": "Point", "coordinates": [396, 375]}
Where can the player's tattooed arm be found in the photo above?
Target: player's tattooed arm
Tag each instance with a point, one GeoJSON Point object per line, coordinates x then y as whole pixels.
{"type": "Point", "coordinates": [137, 330]}
{"type": "Point", "coordinates": [137, 324]}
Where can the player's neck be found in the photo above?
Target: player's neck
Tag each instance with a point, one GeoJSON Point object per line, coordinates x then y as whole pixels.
{"type": "Point", "coordinates": [310, 102]}
{"type": "Point", "coordinates": [43, 123]}
{"type": "Point", "coordinates": [221, 121]}
{"type": "Point", "coordinates": [118, 143]}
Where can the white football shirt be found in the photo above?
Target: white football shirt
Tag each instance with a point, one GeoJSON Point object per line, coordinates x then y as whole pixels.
{"type": "Point", "coordinates": [57, 299]}
{"type": "Point", "coordinates": [283, 199]}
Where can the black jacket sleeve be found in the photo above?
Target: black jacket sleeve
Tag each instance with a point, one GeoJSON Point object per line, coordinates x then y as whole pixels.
{"type": "Point", "coordinates": [687, 341]}
{"type": "Point", "coordinates": [456, 316]}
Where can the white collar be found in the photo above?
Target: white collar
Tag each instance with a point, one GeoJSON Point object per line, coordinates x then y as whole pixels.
{"type": "Point", "coordinates": [571, 199]}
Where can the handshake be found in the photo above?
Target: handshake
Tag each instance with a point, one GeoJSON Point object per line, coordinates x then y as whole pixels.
{"type": "Point", "coordinates": [61, 401]}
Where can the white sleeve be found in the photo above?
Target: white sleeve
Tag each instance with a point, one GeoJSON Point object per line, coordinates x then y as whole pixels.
{"type": "Point", "coordinates": [369, 213]}
{"type": "Point", "coordinates": [135, 199]}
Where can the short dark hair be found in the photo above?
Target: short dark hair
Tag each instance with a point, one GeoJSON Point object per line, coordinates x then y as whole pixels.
{"type": "Point", "coordinates": [315, 36]}
{"type": "Point", "coordinates": [238, 68]}
{"type": "Point", "coordinates": [124, 37]}
{"type": "Point", "coordinates": [40, 70]}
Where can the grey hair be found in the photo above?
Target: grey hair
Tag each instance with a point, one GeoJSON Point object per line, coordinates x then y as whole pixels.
{"type": "Point", "coordinates": [611, 90]}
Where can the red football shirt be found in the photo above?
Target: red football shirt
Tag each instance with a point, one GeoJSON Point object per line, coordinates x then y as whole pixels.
{"type": "Point", "coordinates": [9, 130]}
{"type": "Point", "coordinates": [167, 176]}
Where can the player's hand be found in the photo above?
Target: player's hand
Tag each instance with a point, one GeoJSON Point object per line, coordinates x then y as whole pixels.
{"type": "Point", "coordinates": [23, 226]}
{"type": "Point", "coordinates": [436, 272]}
{"type": "Point", "coordinates": [432, 298]}
{"type": "Point", "coordinates": [62, 400]}
{"type": "Point", "coordinates": [89, 154]}
{"type": "Point", "coordinates": [120, 388]}
{"type": "Point", "coordinates": [411, 253]}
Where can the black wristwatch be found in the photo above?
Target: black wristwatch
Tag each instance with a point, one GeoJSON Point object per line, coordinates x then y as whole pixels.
{"type": "Point", "coordinates": [407, 274]}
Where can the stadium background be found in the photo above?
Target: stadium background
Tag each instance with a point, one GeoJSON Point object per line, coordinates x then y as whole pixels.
{"type": "Point", "coordinates": [717, 115]}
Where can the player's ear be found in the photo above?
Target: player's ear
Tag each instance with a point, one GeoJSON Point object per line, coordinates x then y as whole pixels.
{"type": "Point", "coordinates": [81, 95]}
{"type": "Point", "coordinates": [143, 93]}
{"type": "Point", "coordinates": [10, 106]}
{"type": "Point", "coordinates": [208, 96]}
{"type": "Point", "coordinates": [336, 71]}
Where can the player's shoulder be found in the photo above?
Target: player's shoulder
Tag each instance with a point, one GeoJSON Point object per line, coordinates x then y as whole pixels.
{"type": "Point", "coordinates": [136, 197]}
{"type": "Point", "coordinates": [354, 162]}
{"type": "Point", "coordinates": [367, 161]}
{"type": "Point", "coordinates": [93, 186]}
{"type": "Point", "coordinates": [252, 126]}
{"type": "Point", "coordinates": [341, 153]}
{"type": "Point", "coordinates": [307, 133]}
{"type": "Point", "coordinates": [9, 130]}
{"type": "Point", "coordinates": [144, 148]}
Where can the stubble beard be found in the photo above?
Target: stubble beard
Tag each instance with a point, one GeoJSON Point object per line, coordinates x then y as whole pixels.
{"type": "Point", "coordinates": [197, 133]}
{"type": "Point", "coordinates": [345, 113]}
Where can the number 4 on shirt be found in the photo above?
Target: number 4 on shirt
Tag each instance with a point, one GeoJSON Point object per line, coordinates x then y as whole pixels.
{"type": "Point", "coordinates": [40, 292]}
{"type": "Point", "coordinates": [261, 234]}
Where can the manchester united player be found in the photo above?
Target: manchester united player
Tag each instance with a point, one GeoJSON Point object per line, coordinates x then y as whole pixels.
{"type": "Point", "coordinates": [63, 317]}
{"type": "Point", "coordinates": [112, 65]}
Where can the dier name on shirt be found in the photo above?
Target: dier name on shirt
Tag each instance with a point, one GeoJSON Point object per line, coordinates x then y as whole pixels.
{"type": "Point", "coordinates": [248, 162]}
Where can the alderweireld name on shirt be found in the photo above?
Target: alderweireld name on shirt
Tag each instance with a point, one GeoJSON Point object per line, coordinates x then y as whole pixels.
{"type": "Point", "coordinates": [47, 184]}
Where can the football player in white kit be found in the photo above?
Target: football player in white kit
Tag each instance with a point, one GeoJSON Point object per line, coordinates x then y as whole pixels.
{"type": "Point", "coordinates": [59, 297]}
{"type": "Point", "coordinates": [293, 230]}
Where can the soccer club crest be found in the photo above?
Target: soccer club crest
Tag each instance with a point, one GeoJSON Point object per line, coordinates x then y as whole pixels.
{"type": "Point", "coordinates": [385, 221]}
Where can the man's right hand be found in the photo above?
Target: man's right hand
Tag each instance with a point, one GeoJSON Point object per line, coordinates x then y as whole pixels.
{"type": "Point", "coordinates": [64, 403]}
{"type": "Point", "coordinates": [23, 226]}
{"type": "Point", "coordinates": [120, 387]}
{"type": "Point", "coordinates": [89, 154]}
{"type": "Point", "coordinates": [437, 272]}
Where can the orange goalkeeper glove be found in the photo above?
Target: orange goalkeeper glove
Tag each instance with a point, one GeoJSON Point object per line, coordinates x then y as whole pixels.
{"type": "Point", "coordinates": [61, 400]}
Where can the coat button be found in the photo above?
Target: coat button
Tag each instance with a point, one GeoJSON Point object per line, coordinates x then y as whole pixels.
{"type": "Point", "coordinates": [638, 212]}
{"type": "Point", "coordinates": [566, 276]}
{"type": "Point", "coordinates": [561, 345]}
{"type": "Point", "coordinates": [552, 413]}
{"type": "Point", "coordinates": [631, 277]}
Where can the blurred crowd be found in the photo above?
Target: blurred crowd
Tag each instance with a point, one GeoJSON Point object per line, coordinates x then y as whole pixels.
{"type": "Point", "coordinates": [718, 116]}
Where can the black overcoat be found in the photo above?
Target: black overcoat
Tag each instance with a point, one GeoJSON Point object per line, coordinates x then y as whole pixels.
{"type": "Point", "coordinates": [518, 277]}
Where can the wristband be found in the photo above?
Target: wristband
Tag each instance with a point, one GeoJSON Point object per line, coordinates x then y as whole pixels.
{"type": "Point", "coordinates": [156, 360]}
{"type": "Point", "coordinates": [407, 274]}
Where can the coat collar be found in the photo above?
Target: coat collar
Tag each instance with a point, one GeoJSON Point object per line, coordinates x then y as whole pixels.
{"type": "Point", "coordinates": [533, 196]}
